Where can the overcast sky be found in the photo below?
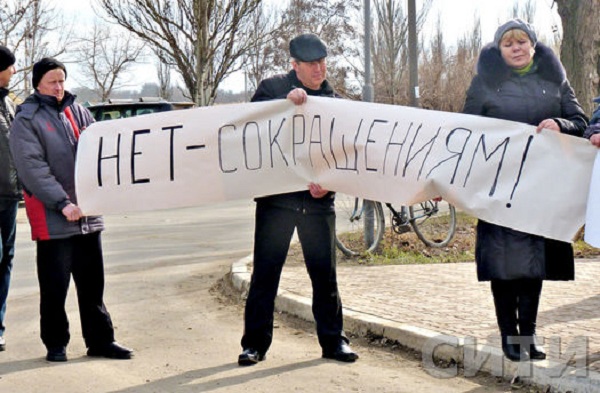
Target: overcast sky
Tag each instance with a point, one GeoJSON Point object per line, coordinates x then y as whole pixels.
{"type": "Point", "coordinates": [456, 17]}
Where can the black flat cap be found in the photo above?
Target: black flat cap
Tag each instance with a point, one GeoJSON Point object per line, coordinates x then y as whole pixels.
{"type": "Point", "coordinates": [308, 47]}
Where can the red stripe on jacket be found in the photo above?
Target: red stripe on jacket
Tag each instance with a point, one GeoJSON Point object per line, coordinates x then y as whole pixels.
{"type": "Point", "coordinates": [36, 212]}
{"type": "Point", "coordinates": [69, 115]}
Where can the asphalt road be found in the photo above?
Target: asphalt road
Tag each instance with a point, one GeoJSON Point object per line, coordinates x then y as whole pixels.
{"type": "Point", "coordinates": [160, 268]}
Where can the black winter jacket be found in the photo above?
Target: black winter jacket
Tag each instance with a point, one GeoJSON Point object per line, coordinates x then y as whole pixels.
{"type": "Point", "coordinates": [278, 87]}
{"type": "Point", "coordinates": [9, 185]}
{"type": "Point", "coordinates": [496, 91]}
{"type": "Point", "coordinates": [594, 126]}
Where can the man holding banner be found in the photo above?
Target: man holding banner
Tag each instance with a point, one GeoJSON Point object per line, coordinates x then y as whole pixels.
{"type": "Point", "coordinates": [310, 212]}
{"type": "Point", "coordinates": [43, 143]}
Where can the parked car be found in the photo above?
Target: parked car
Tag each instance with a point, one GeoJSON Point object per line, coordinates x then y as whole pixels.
{"type": "Point", "coordinates": [121, 108]}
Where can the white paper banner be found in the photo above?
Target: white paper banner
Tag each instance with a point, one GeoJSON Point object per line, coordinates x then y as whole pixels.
{"type": "Point", "coordinates": [497, 170]}
{"type": "Point", "coordinates": [592, 220]}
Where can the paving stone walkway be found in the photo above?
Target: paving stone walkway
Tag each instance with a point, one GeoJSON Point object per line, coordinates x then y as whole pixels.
{"type": "Point", "coordinates": [447, 298]}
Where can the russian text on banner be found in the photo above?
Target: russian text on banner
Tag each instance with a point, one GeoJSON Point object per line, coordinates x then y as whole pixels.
{"type": "Point", "coordinates": [500, 171]}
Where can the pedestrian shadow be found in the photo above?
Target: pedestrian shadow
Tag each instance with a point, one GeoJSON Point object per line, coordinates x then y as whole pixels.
{"type": "Point", "coordinates": [583, 310]}
{"type": "Point", "coordinates": [479, 389]}
{"type": "Point", "coordinates": [564, 314]}
{"type": "Point", "coordinates": [11, 367]}
{"type": "Point", "coordinates": [185, 382]}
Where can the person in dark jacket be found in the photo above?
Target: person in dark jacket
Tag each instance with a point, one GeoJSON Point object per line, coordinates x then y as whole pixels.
{"type": "Point", "coordinates": [10, 190]}
{"type": "Point", "coordinates": [522, 80]}
{"type": "Point", "coordinates": [43, 142]}
{"type": "Point", "coordinates": [592, 132]}
{"type": "Point", "coordinates": [309, 212]}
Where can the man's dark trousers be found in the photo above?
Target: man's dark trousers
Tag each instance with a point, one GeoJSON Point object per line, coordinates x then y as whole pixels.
{"type": "Point", "coordinates": [57, 260]}
{"type": "Point", "coordinates": [273, 233]}
{"type": "Point", "coordinates": [8, 226]}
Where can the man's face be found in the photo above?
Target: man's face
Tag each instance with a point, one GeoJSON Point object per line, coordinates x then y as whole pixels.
{"type": "Point", "coordinates": [53, 84]}
{"type": "Point", "coordinates": [6, 75]}
{"type": "Point", "coordinates": [311, 73]}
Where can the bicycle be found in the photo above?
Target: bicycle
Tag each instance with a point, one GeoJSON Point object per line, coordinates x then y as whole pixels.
{"type": "Point", "coordinates": [434, 223]}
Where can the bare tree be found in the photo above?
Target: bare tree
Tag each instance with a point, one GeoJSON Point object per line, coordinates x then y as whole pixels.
{"type": "Point", "coordinates": [163, 72]}
{"type": "Point", "coordinates": [148, 89]}
{"type": "Point", "coordinates": [446, 74]}
{"type": "Point", "coordinates": [331, 21]}
{"type": "Point", "coordinates": [389, 49]}
{"type": "Point", "coordinates": [580, 49]}
{"type": "Point", "coordinates": [105, 57]}
{"type": "Point", "coordinates": [24, 27]}
{"type": "Point", "coordinates": [12, 18]}
{"type": "Point", "coordinates": [202, 39]}
{"type": "Point", "coordinates": [258, 62]}
{"type": "Point", "coordinates": [525, 11]}
{"type": "Point", "coordinates": [14, 23]}
{"type": "Point", "coordinates": [434, 64]}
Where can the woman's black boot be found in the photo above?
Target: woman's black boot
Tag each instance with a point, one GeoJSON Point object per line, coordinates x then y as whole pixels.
{"type": "Point", "coordinates": [512, 351]}
{"type": "Point", "coordinates": [528, 310]}
{"type": "Point", "coordinates": [505, 302]}
{"type": "Point", "coordinates": [532, 348]}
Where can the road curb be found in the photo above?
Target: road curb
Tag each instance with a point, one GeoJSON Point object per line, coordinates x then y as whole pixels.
{"type": "Point", "coordinates": [453, 350]}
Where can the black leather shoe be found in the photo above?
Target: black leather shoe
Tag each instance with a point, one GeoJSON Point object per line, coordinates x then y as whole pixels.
{"type": "Point", "coordinates": [57, 354]}
{"type": "Point", "coordinates": [341, 353]}
{"type": "Point", "coordinates": [112, 351]}
{"type": "Point", "coordinates": [2, 344]}
{"type": "Point", "coordinates": [250, 356]}
{"type": "Point", "coordinates": [535, 351]}
{"type": "Point", "coordinates": [513, 351]}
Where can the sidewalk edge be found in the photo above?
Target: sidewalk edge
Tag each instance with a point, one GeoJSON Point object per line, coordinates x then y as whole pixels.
{"type": "Point", "coordinates": [451, 349]}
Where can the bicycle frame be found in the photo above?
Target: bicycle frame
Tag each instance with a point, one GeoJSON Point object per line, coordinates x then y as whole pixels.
{"type": "Point", "coordinates": [400, 220]}
{"type": "Point", "coordinates": [431, 227]}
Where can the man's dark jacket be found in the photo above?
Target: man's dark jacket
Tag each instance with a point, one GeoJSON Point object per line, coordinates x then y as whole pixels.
{"type": "Point", "coordinates": [9, 185]}
{"type": "Point", "coordinates": [278, 87]}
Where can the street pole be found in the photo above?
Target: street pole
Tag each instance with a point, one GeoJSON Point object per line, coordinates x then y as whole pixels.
{"type": "Point", "coordinates": [413, 61]}
{"type": "Point", "coordinates": [368, 86]}
{"type": "Point", "coordinates": [369, 212]}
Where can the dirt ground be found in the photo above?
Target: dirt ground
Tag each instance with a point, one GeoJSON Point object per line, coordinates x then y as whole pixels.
{"type": "Point", "coordinates": [381, 352]}
{"type": "Point", "coordinates": [160, 276]}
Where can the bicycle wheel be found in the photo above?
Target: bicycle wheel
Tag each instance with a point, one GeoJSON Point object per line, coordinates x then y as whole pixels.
{"type": "Point", "coordinates": [433, 222]}
{"type": "Point", "coordinates": [351, 219]}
